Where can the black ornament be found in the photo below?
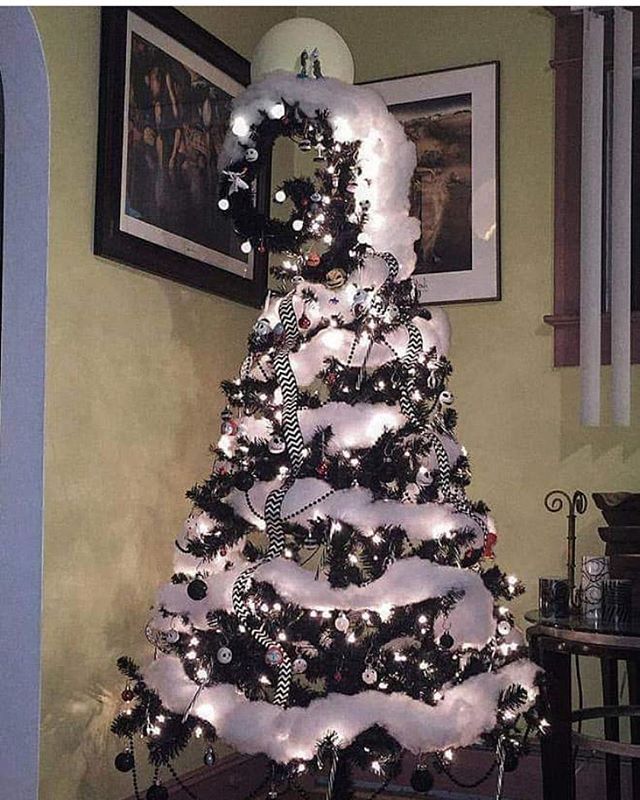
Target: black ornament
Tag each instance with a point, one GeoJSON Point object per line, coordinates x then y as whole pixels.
{"type": "Point", "coordinates": [127, 695]}
{"type": "Point", "coordinates": [510, 759]}
{"type": "Point", "coordinates": [124, 761]}
{"type": "Point", "coordinates": [157, 792]}
{"type": "Point", "coordinates": [263, 470]}
{"type": "Point", "coordinates": [421, 780]}
{"type": "Point", "coordinates": [197, 589]}
{"type": "Point", "coordinates": [446, 640]}
{"type": "Point", "coordinates": [243, 481]}
{"type": "Point", "coordinates": [209, 757]}
{"type": "Point", "coordinates": [387, 471]}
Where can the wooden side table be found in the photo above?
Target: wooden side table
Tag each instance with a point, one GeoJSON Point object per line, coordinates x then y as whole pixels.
{"type": "Point", "coordinates": [553, 642]}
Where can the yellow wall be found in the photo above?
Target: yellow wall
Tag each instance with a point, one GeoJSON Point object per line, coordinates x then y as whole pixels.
{"type": "Point", "coordinates": [133, 367]}
{"type": "Point", "coordinates": [134, 362]}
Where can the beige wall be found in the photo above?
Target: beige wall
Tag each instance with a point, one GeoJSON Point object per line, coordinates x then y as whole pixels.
{"type": "Point", "coordinates": [134, 363]}
{"type": "Point", "coordinates": [133, 367]}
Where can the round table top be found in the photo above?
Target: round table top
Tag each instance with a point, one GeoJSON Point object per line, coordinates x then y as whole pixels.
{"type": "Point", "coordinates": [578, 624]}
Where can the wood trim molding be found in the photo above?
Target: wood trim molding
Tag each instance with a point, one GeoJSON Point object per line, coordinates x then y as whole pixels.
{"type": "Point", "coordinates": [567, 63]}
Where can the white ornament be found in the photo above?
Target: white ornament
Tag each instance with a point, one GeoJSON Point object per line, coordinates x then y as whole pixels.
{"type": "Point", "coordinates": [172, 636]}
{"type": "Point", "coordinates": [223, 204]}
{"type": "Point", "coordinates": [369, 676]}
{"type": "Point", "coordinates": [276, 444]}
{"type": "Point", "coordinates": [342, 623]}
{"type": "Point", "coordinates": [504, 627]}
{"type": "Point", "coordinates": [251, 154]}
{"type": "Point", "coordinates": [224, 655]}
{"type": "Point", "coordinates": [446, 398]}
{"type": "Point", "coordinates": [262, 328]}
{"type": "Point", "coordinates": [299, 665]}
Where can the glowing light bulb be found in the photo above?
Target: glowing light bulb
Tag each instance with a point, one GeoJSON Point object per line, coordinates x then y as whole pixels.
{"type": "Point", "coordinates": [277, 111]}
{"type": "Point", "coordinates": [240, 127]}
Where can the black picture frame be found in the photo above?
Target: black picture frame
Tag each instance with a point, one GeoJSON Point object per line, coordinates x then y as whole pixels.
{"type": "Point", "coordinates": [110, 240]}
{"type": "Point", "coordinates": [477, 86]}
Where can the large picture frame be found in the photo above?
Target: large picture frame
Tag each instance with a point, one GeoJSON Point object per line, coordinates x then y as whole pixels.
{"type": "Point", "coordinates": [166, 87]}
{"type": "Point", "coordinates": [453, 117]}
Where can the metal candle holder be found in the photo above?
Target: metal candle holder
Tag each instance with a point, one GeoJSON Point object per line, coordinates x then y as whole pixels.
{"type": "Point", "coordinates": [555, 501]}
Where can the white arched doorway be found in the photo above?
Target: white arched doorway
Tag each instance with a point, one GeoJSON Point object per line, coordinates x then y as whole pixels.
{"type": "Point", "coordinates": [25, 94]}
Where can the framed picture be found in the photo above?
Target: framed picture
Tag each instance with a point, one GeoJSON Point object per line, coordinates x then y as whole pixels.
{"type": "Point", "coordinates": [166, 87]}
{"type": "Point", "coordinates": [452, 116]}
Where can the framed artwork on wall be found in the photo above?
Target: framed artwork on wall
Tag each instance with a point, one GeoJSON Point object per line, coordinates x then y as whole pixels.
{"type": "Point", "coordinates": [166, 88]}
{"type": "Point", "coordinates": [452, 116]}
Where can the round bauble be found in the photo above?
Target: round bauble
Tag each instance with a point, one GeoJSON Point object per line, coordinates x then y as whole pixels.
{"type": "Point", "coordinates": [421, 780]}
{"type": "Point", "coordinates": [446, 640]}
{"type": "Point", "coordinates": [197, 589]}
{"type": "Point", "coordinates": [313, 259]}
{"type": "Point", "coordinates": [209, 757]}
{"type": "Point", "coordinates": [171, 636]}
{"type": "Point", "coordinates": [322, 469]}
{"type": "Point", "coordinates": [360, 303]}
{"type": "Point", "coordinates": [229, 427]}
{"type": "Point", "coordinates": [387, 471]}
{"type": "Point", "coordinates": [304, 145]}
{"type": "Point", "coordinates": [446, 398]}
{"type": "Point", "coordinates": [369, 676]}
{"type": "Point", "coordinates": [304, 322]}
{"type": "Point", "coordinates": [316, 197]}
{"type": "Point", "coordinates": [274, 656]}
{"type": "Point", "coordinates": [342, 623]}
{"type": "Point", "coordinates": [124, 761]}
{"type": "Point", "coordinates": [263, 470]}
{"type": "Point", "coordinates": [243, 481]}
{"type": "Point", "coordinates": [224, 655]}
{"type": "Point", "coordinates": [423, 477]}
{"type": "Point", "coordinates": [262, 328]}
{"type": "Point", "coordinates": [127, 695]}
{"type": "Point", "coordinates": [335, 279]}
{"type": "Point", "coordinates": [299, 665]}
{"type": "Point", "coordinates": [510, 759]}
{"type": "Point", "coordinates": [277, 444]}
{"type": "Point", "coordinates": [157, 792]}
{"type": "Point", "coordinates": [251, 154]}
{"type": "Point", "coordinates": [504, 627]}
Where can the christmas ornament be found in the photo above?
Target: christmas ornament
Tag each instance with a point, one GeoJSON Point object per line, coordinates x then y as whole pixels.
{"type": "Point", "coordinates": [423, 477]}
{"type": "Point", "coordinates": [280, 196]}
{"type": "Point", "coordinates": [316, 197]}
{"type": "Point", "coordinates": [446, 398]}
{"type": "Point", "coordinates": [335, 279]}
{"type": "Point", "coordinates": [305, 145]}
{"type": "Point", "coordinates": [157, 792]}
{"type": "Point", "coordinates": [251, 154]}
{"type": "Point", "coordinates": [421, 780]}
{"type": "Point", "coordinates": [387, 471]}
{"type": "Point", "coordinates": [172, 636]}
{"type": "Point", "coordinates": [337, 676]}
{"type": "Point", "coordinates": [127, 695]}
{"type": "Point", "coordinates": [224, 655]}
{"type": "Point", "coordinates": [304, 322]}
{"type": "Point", "coordinates": [490, 540]}
{"type": "Point", "coordinates": [277, 444]}
{"type": "Point", "coordinates": [352, 187]}
{"type": "Point", "coordinates": [197, 589]}
{"type": "Point", "coordinates": [504, 627]}
{"type": "Point", "coordinates": [446, 640]}
{"type": "Point", "coordinates": [361, 302]}
{"type": "Point", "coordinates": [342, 622]}
{"type": "Point", "coordinates": [243, 481]}
{"type": "Point", "coordinates": [297, 225]}
{"type": "Point", "coordinates": [313, 259]}
{"type": "Point", "coordinates": [209, 757]}
{"type": "Point", "coordinates": [299, 665]}
{"type": "Point", "coordinates": [369, 676]}
{"type": "Point", "coordinates": [125, 761]}
{"type": "Point", "coordinates": [274, 656]}
{"type": "Point", "coordinates": [223, 204]}
{"type": "Point", "coordinates": [262, 329]}
{"type": "Point", "coordinates": [511, 758]}
{"type": "Point", "coordinates": [322, 469]}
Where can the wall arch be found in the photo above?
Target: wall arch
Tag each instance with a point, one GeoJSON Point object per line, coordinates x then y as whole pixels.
{"type": "Point", "coordinates": [25, 233]}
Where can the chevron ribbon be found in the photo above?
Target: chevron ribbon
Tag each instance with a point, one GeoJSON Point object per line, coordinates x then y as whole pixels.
{"type": "Point", "coordinates": [273, 505]}
{"type": "Point", "coordinates": [409, 409]}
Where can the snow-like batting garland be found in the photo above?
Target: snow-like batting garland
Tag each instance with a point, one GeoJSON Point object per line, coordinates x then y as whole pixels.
{"type": "Point", "coordinates": [460, 717]}
{"type": "Point", "coordinates": [356, 507]}
{"type": "Point", "coordinates": [406, 582]}
{"type": "Point", "coordinates": [387, 157]}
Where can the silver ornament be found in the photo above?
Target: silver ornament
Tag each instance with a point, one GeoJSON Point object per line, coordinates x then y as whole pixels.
{"type": "Point", "coordinates": [274, 656]}
{"type": "Point", "coordinates": [423, 477]}
{"type": "Point", "coordinates": [251, 154]}
{"type": "Point", "coordinates": [224, 655]}
{"type": "Point", "coordinates": [172, 636]}
{"type": "Point", "coordinates": [360, 303]}
{"type": "Point", "coordinates": [299, 665]}
{"type": "Point", "coordinates": [342, 623]}
{"type": "Point", "coordinates": [446, 398]}
{"type": "Point", "coordinates": [262, 328]}
{"type": "Point", "coordinates": [277, 444]}
{"type": "Point", "coordinates": [369, 676]}
{"type": "Point", "coordinates": [504, 627]}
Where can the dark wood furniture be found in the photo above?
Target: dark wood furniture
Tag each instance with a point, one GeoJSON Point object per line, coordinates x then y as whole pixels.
{"type": "Point", "coordinates": [553, 642]}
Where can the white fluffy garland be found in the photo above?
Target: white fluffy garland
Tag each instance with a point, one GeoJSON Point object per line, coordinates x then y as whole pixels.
{"type": "Point", "coordinates": [406, 582]}
{"type": "Point", "coordinates": [459, 718]}
{"type": "Point", "coordinates": [387, 157]}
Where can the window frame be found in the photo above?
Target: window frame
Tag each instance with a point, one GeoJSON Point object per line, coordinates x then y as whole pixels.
{"type": "Point", "coordinates": [567, 66]}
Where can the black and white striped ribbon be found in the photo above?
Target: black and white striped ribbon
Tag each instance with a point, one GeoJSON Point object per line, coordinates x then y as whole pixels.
{"type": "Point", "coordinates": [273, 505]}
